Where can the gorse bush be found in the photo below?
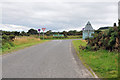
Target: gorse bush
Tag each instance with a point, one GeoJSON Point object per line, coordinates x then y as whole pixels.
{"type": "Point", "coordinates": [7, 41]}
{"type": "Point", "coordinates": [7, 38]}
{"type": "Point", "coordinates": [109, 40]}
{"type": "Point", "coordinates": [7, 45]}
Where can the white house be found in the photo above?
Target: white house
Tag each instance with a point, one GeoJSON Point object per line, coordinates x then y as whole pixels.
{"type": "Point", "coordinates": [88, 31]}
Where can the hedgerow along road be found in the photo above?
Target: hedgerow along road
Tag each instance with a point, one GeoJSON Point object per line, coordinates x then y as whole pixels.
{"type": "Point", "coordinates": [53, 59]}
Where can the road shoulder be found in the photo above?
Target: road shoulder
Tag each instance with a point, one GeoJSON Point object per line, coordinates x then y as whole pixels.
{"type": "Point", "coordinates": [79, 61]}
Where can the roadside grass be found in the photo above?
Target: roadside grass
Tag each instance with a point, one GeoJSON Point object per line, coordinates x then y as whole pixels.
{"type": "Point", "coordinates": [20, 43]}
{"type": "Point", "coordinates": [102, 62]}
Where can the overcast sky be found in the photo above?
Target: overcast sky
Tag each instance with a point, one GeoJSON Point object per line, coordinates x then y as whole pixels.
{"type": "Point", "coordinates": [58, 15]}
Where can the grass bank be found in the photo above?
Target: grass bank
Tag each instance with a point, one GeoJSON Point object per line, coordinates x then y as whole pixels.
{"type": "Point", "coordinates": [20, 43]}
{"type": "Point", "coordinates": [102, 62]}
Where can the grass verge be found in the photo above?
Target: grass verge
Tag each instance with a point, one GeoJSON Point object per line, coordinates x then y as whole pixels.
{"type": "Point", "coordinates": [102, 62]}
{"type": "Point", "coordinates": [21, 43]}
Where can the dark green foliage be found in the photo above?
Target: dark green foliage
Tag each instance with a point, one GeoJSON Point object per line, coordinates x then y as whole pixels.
{"type": "Point", "coordinates": [103, 28]}
{"type": "Point", "coordinates": [82, 47]}
{"type": "Point", "coordinates": [7, 38]}
{"type": "Point", "coordinates": [32, 32]}
{"type": "Point", "coordinates": [11, 37]}
{"type": "Point", "coordinates": [11, 33]}
{"type": "Point", "coordinates": [23, 33]}
{"type": "Point", "coordinates": [7, 41]}
{"type": "Point", "coordinates": [65, 34]}
{"type": "Point", "coordinates": [7, 45]}
{"type": "Point", "coordinates": [109, 40]}
{"type": "Point", "coordinates": [88, 47]}
{"type": "Point", "coordinates": [98, 31]}
{"type": "Point", "coordinates": [73, 32]}
{"type": "Point", "coordinates": [115, 24]}
{"type": "Point", "coordinates": [49, 33]}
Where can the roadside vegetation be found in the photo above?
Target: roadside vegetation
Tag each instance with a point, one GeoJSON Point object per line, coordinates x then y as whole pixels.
{"type": "Point", "coordinates": [108, 40]}
{"type": "Point", "coordinates": [61, 37]}
{"type": "Point", "coordinates": [102, 62]}
{"type": "Point", "coordinates": [15, 40]}
{"type": "Point", "coordinates": [101, 52]}
{"type": "Point", "coordinates": [19, 43]}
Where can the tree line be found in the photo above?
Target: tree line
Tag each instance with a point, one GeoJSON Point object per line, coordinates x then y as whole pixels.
{"type": "Point", "coordinates": [12, 34]}
{"type": "Point", "coordinates": [8, 36]}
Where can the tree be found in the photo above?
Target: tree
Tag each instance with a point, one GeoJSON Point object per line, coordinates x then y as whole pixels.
{"type": "Point", "coordinates": [23, 33]}
{"type": "Point", "coordinates": [48, 33]}
{"type": "Point", "coordinates": [15, 33]}
{"type": "Point", "coordinates": [115, 24]}
{"type": "Point", "coordinates": [65, 34]}
{"type": "Point", "coordinates": [71, 32]}
{"type": "Point", "coordinates": [32, 32]}
{"type": "Point", "coordinates": [74, 32]}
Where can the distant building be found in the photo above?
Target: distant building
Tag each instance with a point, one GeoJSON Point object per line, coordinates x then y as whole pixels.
{"type": "Point", "coordinates": [58, 35]}
{"type": "Point", "coordinates": [88, 31]}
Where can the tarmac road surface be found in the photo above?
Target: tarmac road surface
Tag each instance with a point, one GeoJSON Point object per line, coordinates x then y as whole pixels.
{"type": "Point", "coordinates": [53, 59]}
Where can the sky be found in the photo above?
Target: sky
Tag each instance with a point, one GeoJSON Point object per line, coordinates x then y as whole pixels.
{"type": "Point", "coordinates": [57, 15]}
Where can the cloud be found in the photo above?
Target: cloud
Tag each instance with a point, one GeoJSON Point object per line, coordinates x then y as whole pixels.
{"type": "Point", "coordinates": [60, 15]}
{"type": "Point", "coordinates": [8, 27]}
{"type": "Point", "coordinates": [59, 1]}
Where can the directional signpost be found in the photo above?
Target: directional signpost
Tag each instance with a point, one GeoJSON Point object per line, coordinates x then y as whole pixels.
{"type": "Point", "coordinates": [43, 32]}
{"type": "Point", "coordinates": [39, 32]}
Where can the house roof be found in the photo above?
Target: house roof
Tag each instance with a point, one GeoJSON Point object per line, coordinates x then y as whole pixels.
{"type": "Point", "coordinates": [88, 26]}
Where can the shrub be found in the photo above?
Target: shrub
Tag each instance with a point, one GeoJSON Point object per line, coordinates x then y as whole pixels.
{"type": "Point", "coordinates": [11, 37]}
{"type": "Point", "coordinates": [6, 46]}
{"type": "Point", "coordinates": [11, 44]}
{"type": "Point", "coordinates": [82, 47]}
{"type": "Point", "coordinates": [109, 40]}
{"type": "Point", "coordinates": [88, 47]}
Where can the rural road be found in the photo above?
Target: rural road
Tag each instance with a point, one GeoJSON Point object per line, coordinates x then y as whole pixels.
{"type": "Point", "coordinates": [53, 59]}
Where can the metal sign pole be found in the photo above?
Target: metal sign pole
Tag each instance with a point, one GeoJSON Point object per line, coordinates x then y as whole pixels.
{"type": "Point", "coordinates": [39, 34]}
{"type": "Point", "coordinates": [43, 32]}
{"type": "Point", "coordinates": [43, 35]}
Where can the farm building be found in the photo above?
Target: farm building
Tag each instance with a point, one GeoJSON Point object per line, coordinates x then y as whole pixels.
{"type": "Point", "coordinates": [88, 31]}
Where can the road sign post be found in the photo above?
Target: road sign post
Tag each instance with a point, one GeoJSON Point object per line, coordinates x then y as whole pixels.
{"type": "Point", "coordinates": [43, 32]}
{"type": "Point", "coordinates": [43, 35]}
{"type": "Point", "coordinates": [39, 32]}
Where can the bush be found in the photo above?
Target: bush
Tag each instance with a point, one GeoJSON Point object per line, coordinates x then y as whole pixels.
{"type": "Point", "coordinates": [7, 39]}
{"type": "Point", "coordinates": [11, 37]}
{"type": "Point", "coordinates": [82, 47]}
{"type": "Point", "coordinates": [6, 46]}
{"type": "Point", "coordinates": [109, 40]}
{"type": "Point", "coordinates": [88, 47]}
{"type": "Point", "coordinates": [95, 48]}
{"type": "Point", "coordinates": [11, 44]}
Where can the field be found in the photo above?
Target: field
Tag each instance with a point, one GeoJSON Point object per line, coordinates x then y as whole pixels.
{"type": "Point", "coordinates": [68, 37]}
{"type": "Point", "coordinates": [20, 43]}
{"type": "Point", "coordinates": [102, 62]}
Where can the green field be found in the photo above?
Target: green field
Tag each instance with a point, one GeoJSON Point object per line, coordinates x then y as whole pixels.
{"type": "Point", "coordinates": [61, 37]}
{"type": "Point", "coordinates": [20, 43]}
{"type": "Point", "coordinates": [102, 62]}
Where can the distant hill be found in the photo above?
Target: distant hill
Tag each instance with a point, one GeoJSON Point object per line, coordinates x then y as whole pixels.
{"type": "Point", "coordinates": [104, 28]}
